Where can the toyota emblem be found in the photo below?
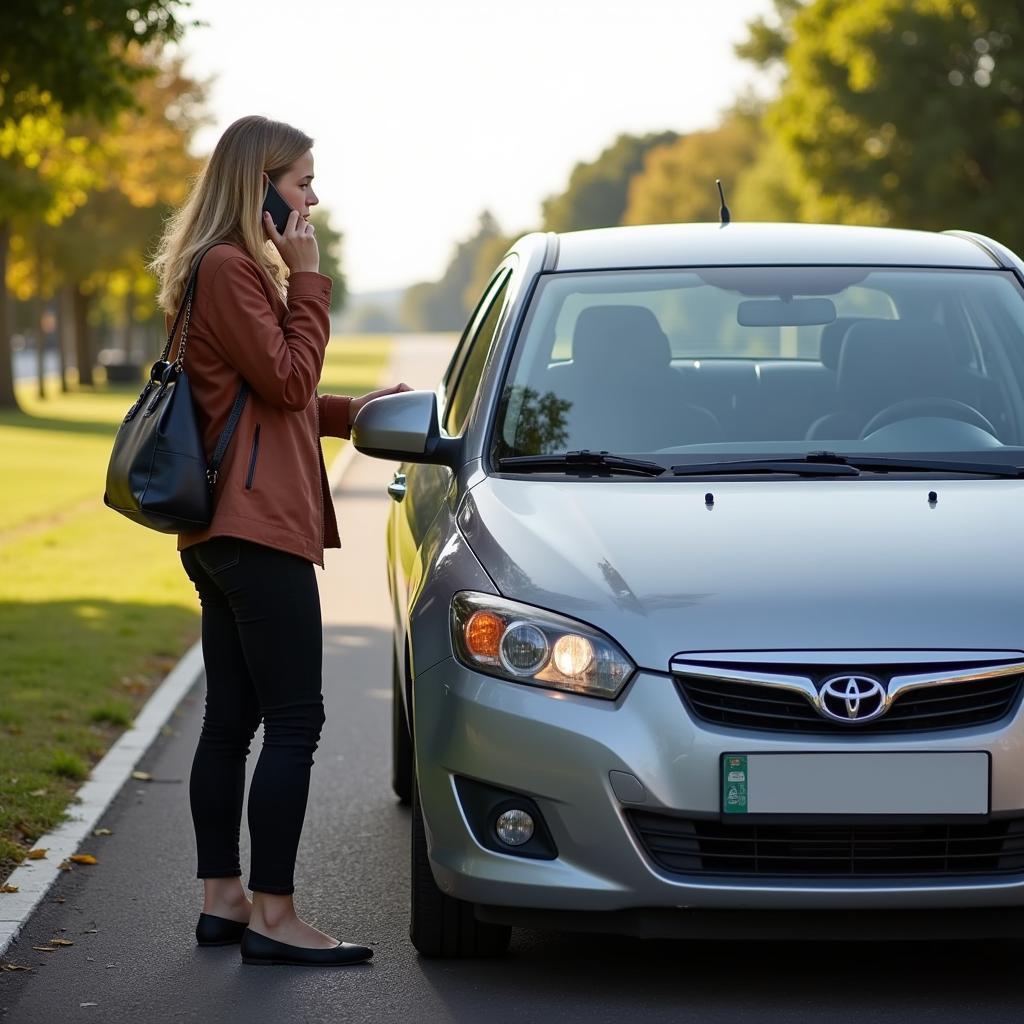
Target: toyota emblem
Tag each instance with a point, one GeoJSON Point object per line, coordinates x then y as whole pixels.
{"type": "Point", "coordinates": [852, 699]}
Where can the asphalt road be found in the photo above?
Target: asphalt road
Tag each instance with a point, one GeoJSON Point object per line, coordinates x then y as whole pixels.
{"type": "Point", "coordinates": [131, 916]}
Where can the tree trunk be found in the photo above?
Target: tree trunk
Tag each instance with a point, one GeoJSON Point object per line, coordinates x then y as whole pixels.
{"type": "Point", "coordinates": [8, 400]}
{"type": "Point", "coordinates": [65, 316]}
{"type": "Point", "coordinates": [129, 327]}
{"type": "Point", "coordinates": [39, 339]}
{"type": "Point", "coordinates": [83, 350]}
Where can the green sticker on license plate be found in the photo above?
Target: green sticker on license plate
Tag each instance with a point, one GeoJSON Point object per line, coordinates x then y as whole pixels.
{"type": "Point", "coordinates": [734, 784]}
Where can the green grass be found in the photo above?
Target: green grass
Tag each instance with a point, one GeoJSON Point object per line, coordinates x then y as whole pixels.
{"type": "Point", "coordinates": [94, 610]}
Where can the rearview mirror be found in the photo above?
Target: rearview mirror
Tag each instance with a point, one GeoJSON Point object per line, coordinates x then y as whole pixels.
{"type": "Point", "coordinates": [785, 312]}
{"type": "Point", "coordinates": [403, 427]}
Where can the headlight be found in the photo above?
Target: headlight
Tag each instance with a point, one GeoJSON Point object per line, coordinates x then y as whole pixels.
{"type": "Point", "coordinates": [530, 645]}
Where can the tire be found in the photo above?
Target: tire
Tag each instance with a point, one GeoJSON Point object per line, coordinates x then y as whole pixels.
{"type": "Point", "coordinates": [401, 740]}
{"type": "Point", "coordinates": [440, 925]}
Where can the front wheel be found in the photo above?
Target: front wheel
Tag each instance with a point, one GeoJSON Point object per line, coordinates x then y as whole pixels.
{"type": "Point", "coordinates": [440, 925]}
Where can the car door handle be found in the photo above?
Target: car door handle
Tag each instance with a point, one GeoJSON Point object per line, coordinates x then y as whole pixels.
{"type": "Point", "coordinates": [397, 487]}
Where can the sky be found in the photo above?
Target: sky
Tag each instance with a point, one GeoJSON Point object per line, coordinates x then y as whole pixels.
{"type": "Point", "coordinates": [426, 113]}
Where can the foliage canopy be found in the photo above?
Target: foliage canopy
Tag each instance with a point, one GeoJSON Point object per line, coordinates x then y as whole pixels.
{"type": "Point", "coordinates": [597, 192]}
{"type": "Point", "coordinates": [902, 112]}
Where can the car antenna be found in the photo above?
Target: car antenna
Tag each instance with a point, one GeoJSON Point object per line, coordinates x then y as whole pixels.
{"type": "Point", "coordinates": [723, 213]}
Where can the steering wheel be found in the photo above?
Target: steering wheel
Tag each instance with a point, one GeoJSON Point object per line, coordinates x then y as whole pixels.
{"type": "Point", "coordinates": [911, 408]}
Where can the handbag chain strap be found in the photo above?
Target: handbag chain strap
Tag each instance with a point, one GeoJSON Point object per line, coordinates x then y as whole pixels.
{"type": "Point", "coordinates": [180, 361]}
{"type": "Point", "coordinates": [185, 309]}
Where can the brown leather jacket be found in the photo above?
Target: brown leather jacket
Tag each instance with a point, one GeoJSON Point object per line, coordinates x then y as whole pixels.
{"type": "Point", "coordinates": [272, 485]}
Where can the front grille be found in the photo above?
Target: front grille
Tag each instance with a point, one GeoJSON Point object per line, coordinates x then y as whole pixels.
{"type": "Point", "coordinates": [685, 846]}
{"type": "Point", "coordinates": [928, 708]}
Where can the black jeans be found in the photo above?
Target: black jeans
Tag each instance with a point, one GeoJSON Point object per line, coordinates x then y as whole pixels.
{"type": "Point", "coordinates": [263, 648]}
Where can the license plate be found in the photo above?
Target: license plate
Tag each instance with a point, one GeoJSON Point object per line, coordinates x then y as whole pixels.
{"type": "Point", "coordinates": [856, 783]}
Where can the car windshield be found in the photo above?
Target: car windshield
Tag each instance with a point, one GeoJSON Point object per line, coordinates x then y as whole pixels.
{"type": "Point", "coordinates": [688, 365]}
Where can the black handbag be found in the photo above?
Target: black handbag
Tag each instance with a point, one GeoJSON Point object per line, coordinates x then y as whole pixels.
{"type": "Point", "coordinates": [158, 475]}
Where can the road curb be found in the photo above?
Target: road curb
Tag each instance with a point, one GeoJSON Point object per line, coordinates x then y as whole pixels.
{"type": "Point", "coordinates": [34, 878]}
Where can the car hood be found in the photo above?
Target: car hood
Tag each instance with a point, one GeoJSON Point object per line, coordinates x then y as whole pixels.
{"type": "Point", "coordinates": [779, 565]}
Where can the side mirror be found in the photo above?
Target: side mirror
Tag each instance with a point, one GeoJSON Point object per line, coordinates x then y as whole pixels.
{"type": "Point", "coordinates": [403, 427]}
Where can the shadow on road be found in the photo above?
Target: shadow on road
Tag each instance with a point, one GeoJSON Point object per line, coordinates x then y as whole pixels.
{"type": "Point", "coordinates": [597, 978]}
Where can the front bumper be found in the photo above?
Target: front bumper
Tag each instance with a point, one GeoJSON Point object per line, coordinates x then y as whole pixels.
{"type": "Point", "coordinates": [559, 749]}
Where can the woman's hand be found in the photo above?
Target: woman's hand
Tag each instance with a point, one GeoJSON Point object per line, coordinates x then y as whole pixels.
{"type": "Point", "coordinates": [297, 245]}
{"type": "Point", "coordinates": [357, 403]}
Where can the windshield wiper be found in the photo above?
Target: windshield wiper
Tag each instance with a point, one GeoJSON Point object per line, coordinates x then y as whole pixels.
{"type": "Point", "coordinates": [580, 460]}
{"type": "Point", "coordinates": [833, 464]}
{"type": "Point", "coordinates": [801, 465]}
{"type": "Point", "coordinates": [895, 464]}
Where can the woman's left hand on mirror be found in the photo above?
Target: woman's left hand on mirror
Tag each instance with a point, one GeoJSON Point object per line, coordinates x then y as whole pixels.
{"type": "Point", "coordinates": [358, 403]}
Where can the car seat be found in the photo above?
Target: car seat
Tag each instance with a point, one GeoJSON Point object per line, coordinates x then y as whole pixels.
{"type": "Point", "coordinates": [882, 362]}
{"type": "Point", "coordinates": [625, 394]}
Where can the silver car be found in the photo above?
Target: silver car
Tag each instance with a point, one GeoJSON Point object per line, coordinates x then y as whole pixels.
{"type": "Point", "coordinates": [708, 578]}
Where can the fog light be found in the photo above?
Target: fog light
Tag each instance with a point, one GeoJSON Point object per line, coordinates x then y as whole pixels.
{"type": "Point", "coordinates": [514, 827]}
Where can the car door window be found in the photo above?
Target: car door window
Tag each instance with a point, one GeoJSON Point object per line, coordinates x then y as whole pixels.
{"type": "Point", "coordinates": [467, 376]}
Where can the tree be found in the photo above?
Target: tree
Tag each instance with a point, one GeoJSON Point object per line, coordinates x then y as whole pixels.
{"type": "Point", "coordinates": [769, 37]}
{"type": "Point", "coordinates": [597, 191]}
{"type": "Point", "coordinates": [677, 181]}
{"type": "Point", "coordinates": [905, 112]}
{"type": "Point", "coordinates": [329, 242]}
{"type": "Point", "coordinates": [45, 173]}
{"type": "Point", "coordinates": [141, 169]}
{"type": "Point", "coordinates": [74, 52]}
{"type": "Point", "coordinates": [60, 58]}
{"type": "Point", "coordinates": [445, 305]}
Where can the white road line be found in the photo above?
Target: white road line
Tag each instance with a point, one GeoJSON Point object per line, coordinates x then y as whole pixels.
{"type": "Point", "coordinates": [35, 877]}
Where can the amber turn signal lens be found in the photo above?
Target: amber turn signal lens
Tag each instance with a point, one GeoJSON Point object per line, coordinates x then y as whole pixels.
{"type": "Point", "coordinates": [483, 634]}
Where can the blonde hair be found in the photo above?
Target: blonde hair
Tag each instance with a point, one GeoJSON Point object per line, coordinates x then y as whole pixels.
{"type": "Point", "coordinates": [225, 204]}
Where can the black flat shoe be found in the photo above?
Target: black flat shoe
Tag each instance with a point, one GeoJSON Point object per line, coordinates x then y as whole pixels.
{"type": "Point", "coordinates": [259, 949]}
{"type": "Point", "coordinates": [218, 931]}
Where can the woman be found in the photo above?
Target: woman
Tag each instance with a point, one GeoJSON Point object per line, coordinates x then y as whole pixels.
{"type": "Point", "coordinates": [257, 321]}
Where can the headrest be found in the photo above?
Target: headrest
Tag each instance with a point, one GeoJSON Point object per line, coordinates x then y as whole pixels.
{"type": "Point", "coordinates": [619, 339]}
{"type": "Point", "coordinates": [886, 361]}
{"type": "Point", "coordinates": [832, 336]}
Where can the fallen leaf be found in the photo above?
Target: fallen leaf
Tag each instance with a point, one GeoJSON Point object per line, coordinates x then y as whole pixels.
{"type": "Point", "coordinates": [90, 931]}
{"type": "Point", "coordinates": [59, 899]}
{"type": "Point", "coordinates": [14, 967]}
{"type": "Point", "coordinates": [64, 865]}
{"type": "Point", "coordinates": [142, 776]}
{"type": "Point", "coordinates": [38, 792]}
{"type": "Point", "coordinates": [8, 888]}
{"type": "Point", "coordinates": [61, 942]}
{"type": "Point", "coordinates": [102, 832]}
{"type": "Point", "coordinates": [45, 949]}
{"type": "Point", "coordinates": [83, 858]}
{"type": "Point", "coordinates": [37, 854]}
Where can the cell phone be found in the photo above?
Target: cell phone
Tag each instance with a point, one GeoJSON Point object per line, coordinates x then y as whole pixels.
{"type": "Point", "coordinates": [275, 205]}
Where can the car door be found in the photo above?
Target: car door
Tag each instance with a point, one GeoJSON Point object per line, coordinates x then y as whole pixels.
{"type": "Point", "coordinates": [426, 485]}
